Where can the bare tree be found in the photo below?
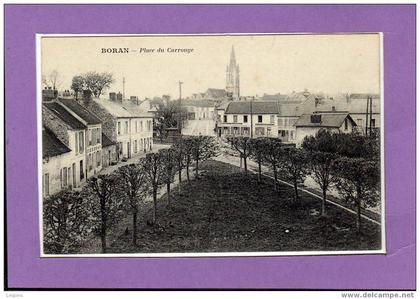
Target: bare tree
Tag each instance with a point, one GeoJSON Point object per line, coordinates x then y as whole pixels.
{"type": "Point", "coordinates": [258, 146]}
{"type": "Point", "coordinates": [294, 167]}
{"type": "Point", "coordinates": [203, 147]}
{"type": "Point", "coordinates": [272, 156]}
{"type": "Point", "coordinates": [179, 156]}
{"type": "Point", "coordinates": [169, 169]}
{"type": "Point", "coordinates": [108, 206]}
{"type": "Point", "coordinates": [242, 145]}
{"type": "Point", "coordinates": [154, 171]}
{"type": "Point", "coordinates": [66, 222]}
{"type": "Point", "coordinates": [52, 79]}
{"type": "Point", "coordinates": [134, 187]}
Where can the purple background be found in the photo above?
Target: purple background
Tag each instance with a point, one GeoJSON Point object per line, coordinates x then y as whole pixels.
{"type": "Point", "coordinates": [396, 270]}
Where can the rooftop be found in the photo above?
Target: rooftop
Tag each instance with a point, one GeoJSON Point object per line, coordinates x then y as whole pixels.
{"type": "Point", "coordinates": [257, 107]}
{"type": "Point", "coordinates": [125, 109]}
{"type": "Point", "coordinates": [81, 111]}
{"type": "Point", "coordinates": [329, 120]}
{"type": "Point", "coordinates": [64, 115]}
{"type": "Point", "coordinates": [51, 145]}
{"type": "Point", "coordinates": [106, 141]}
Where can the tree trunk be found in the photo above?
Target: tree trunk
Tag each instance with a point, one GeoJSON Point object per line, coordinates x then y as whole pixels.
{"type": "Point", "coordinates": [240, 161]}
{"type": "Point", "coordinates": [188, 173]}
{"type": "Point", "coordinates": [179, 180]}
{"type": "Point", "coordinates": [168, 191]}
{"type": "Point", "coordinates": [135, 228]}
{"type": "Point", "coordinates": [359, 218]}
{"type": "Point", "coordinates": [259, 171]}
{"type": "Point", "coordinates": [275, 178]}
{"type": "Point", "coordinates": [196, 169]}
{"type": "Point", "coordinates": [103, 236]}
{"type": "Point", "coordinates": [245, 166]}
{"type": "Point", "coordinates": [295, 184]}
{"type": "Point", "coordinates": [154, 204]}
{"type": "Point", "coordinates": [324, 202]}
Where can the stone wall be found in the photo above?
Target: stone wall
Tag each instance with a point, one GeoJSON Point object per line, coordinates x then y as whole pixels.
{"type": "Point", "coordinates": [56, 125]}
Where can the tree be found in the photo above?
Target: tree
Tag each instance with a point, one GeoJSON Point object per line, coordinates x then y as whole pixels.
{"type": "Point", "coordinates": [66, 222]}
{"type": "Point", "coordinates": [322, 150]}
{"type": "Point", "coordinates": [242, 145]}
{"type": "Point", "coordinates": [358, 182]}
{"type": "Point", "coordinates": [53, 79]}
{"type": "Point", "coordinates": [169, 115]}
{"type": "Point", "coordinates": [188, 146]}
{"type": "Point", "coordinates": [203, 148]}
{"type": "Point", "coordinates": [293, 167]}
{"type": "Point", "coordinates": [97, 82]}
{"type": "Point", "coordinates": [169, 169]}
{"type": "Point", "coordinates": [257, 146]}
{"type": "Point", "coordinates": [134, 187]}
{"type": "Point", "coordinates": [77, 84]}
{"type": "Point", "coordinates": [154, 171]}
{"type": "Point", "coordinates": [179, 156]}
{"type": "Point", "coordinates": [107, 207]}
{"type": "Point", "coordinates": [272, 156]}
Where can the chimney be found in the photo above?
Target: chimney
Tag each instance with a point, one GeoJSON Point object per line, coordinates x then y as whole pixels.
{"type": "Point", "coordinates": [119, 97]}
{"type": "Point", "coordinates": [315, 118]}
{"type": "Point", "coordinates": [113, 96]}
{"type": "Point", "coordinates": [333, 108]}
{"type": "Point", "coordinates": [49, 94]}
{"type": "Point", "coordinates": [134, 100]}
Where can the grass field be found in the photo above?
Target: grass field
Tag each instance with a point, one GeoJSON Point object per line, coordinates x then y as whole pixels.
{"type": "Point", "coordinates": [225, 211]}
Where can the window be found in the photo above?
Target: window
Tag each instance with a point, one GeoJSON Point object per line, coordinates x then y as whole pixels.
{"type": "Point", "coordinates": [81, 142]}
{"type": "Point", "coordinates": [46, 183]}
{"type": "Point", "coordinates": [235, 118]}
{"type": "Point", "coordinates": [141, 126]}
{"type": "Point", "coordinates": [346, 124]}
{"type": "Point", "coordinates": [225, 118]}
{"type": "Point", "coordinates": [245, 118]}
{"type": "Point", "coordinates": [76, 142]}
{"type": "Point", "coordinates": [137, 126]}
{"type": "Point", "coordinates": [119, 128]}
{"type": "Point", "coordinates": [292, 135]}
{"type": "Point", "coordinates": [359, 122]}
{"type": "Point", "coordinates": [126, 127]}
{"type": "Point", "coordinates": [89, 162]}
{"type": "Point", "coordinates": [283, 133]}
{"type": "Point", "coordinates": [82, 173]}
{"type": "Point", "coordinates": [63, 177]}
{"type": "Point", "coordinates": [135, 146]}
{"type": "Point", "coordinates": [269, 131]}
{"type": "Point", "coordinates": [98, 158]}
{"type": "Point", "coordinates": [271, 119]}
{"type": "Point", "coordinates": [260, 118]}
{"type": "Point", "coordinates": [259, 131]}
{"type": "Point", "coordinates": [98, 136]}
{"type": "Point", "coordinates": [90, 137]}
{"type": "Point", "coordinates": [372, 123]}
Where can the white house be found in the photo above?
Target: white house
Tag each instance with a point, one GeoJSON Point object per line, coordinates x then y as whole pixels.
{"type": "Point", "coordinates": [310, 124]}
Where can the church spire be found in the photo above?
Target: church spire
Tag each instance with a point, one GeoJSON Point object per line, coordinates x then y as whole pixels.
{"type": "Point", "coordinates": [232, 57]}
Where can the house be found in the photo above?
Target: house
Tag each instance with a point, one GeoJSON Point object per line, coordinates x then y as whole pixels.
{"type": "Point", "coordinates": [109, 151]}
{"type": "Point", "coordinates": [125, 124]}
{"type": "Point", "coordinates": [93, 134]}
{"type": "Point", "coordinates": [286, 119]}
{"type": "Point", "coordinates": [253, 119]}
{"type": "Point", "coordinates": [71, 132]}
{"type": "Point", "coordinates": [310, 124]}
{"type": "Point", "coordinates": [199, 109]}
{"type": "Point", "coordinates": [56, 164]}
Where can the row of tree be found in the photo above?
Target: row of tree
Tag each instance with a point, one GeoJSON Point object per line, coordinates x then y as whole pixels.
{"type": "Point", "coordinates": [72, 216]}
{"type": "Point", "coordinates": [348, 162]}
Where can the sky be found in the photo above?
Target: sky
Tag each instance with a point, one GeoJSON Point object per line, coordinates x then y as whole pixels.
{"type": "Point", "coordinates": [330, 63]}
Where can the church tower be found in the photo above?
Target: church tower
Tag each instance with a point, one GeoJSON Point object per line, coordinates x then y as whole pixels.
{"type": "Point", "coordinates": [232, 77]}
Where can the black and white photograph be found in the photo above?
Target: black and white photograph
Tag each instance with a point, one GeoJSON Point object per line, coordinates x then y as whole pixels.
{"type": "Point", "coordinates": [210, 145]}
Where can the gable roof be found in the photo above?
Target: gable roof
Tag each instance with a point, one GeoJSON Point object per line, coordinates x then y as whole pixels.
{"type": "Point", "coordinates": [117, 109]}
{"type": "Point", "coordinates": [81, 111]}
{"type": "Point", "coordinates": [216, 92]}
{"type": "Point", "coordinates": [51, 145]}
{"type": "Point", "coordinates": [65, 116]}
{"type": "Point", "coordinates": [106, 141]}
{"type": "Point", "coordinates": [263, 107]}
{"type": "Point", "coordinates": [198, 103]}
{"type": "Point", "coordinates": [328, 120]}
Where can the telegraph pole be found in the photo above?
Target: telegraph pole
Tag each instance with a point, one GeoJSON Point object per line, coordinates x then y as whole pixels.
{"type": "Point", "coordinates": [123, 88]}
{"type": "Point", "coordinates": [180, 107]}
{"type": "Point", "coordinates": [252, 121]}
